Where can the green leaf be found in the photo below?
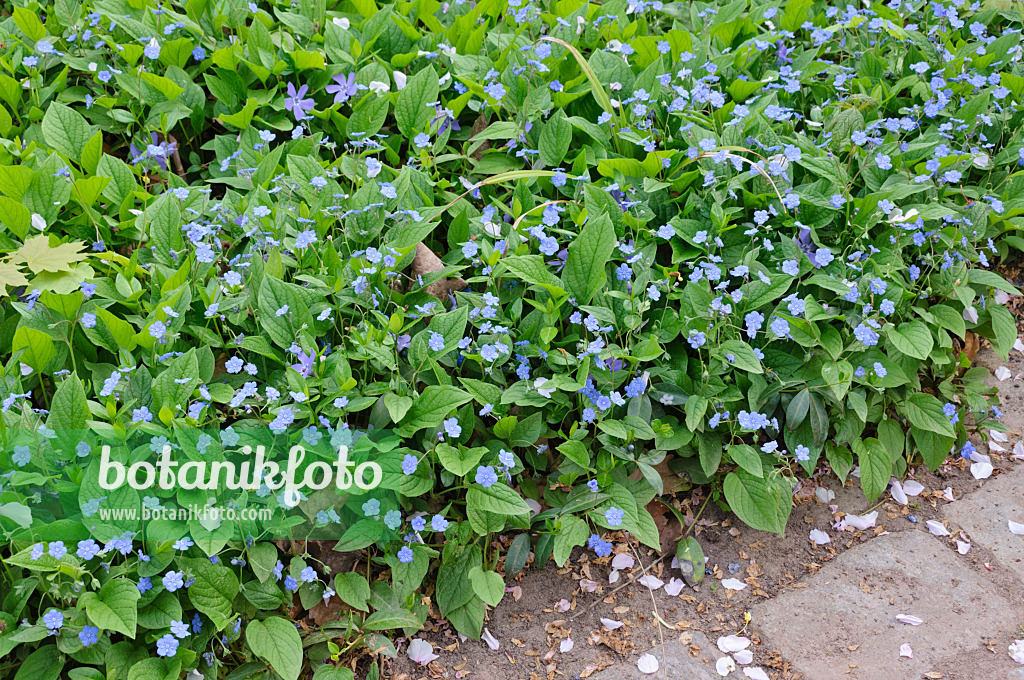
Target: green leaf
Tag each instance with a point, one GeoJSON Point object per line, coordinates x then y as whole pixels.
{"type": "Point", "coordinates": [934, 448]}
{"type": "Point", "coordinates": [282, 311]}
{"type": "Point", "coordinates": [986, 278]}
{"type": "Point", "coordinates": [411, 111]}
{"type": "Point", "coordinates": [841, 460]}
{"type": "Point", "coordinates": [46, 663]}
{"type": "Point", "coordinates": [363, 533]}
{"type": "Point", "coordinates": [574, 532]}
{"type": "Point", "coordinates": [912, 338]}
{"type": "Point", "coordinates": [949, 319]}
{"type": "Point", "coordinates": [518, 553]}
{"type": "Point", "coordinates": [166, 389]}
{"type": "Point", "coordinates": [214, 589]}
{"type": "Point", "coordinates": [497, 498]}
{"type": "Point", "coordinates": [555, 138]}
{"type": "Point", "coordinates": [68, 408]}
{"type": "Point", "coordinates": [353, 590]}
{"type": "Point", "coordinates": [742, 354]}
{"type": "Point", "coordinates": [533, 270]}
{"type": "Point", "coordinates": [65, 130]}
{"type": "Point", "coordinates": [29, 23]}
{"type": "Point", "coordinates": [459, 460]}
{"type": "Point", "coordinates": [747, 458]}
{"type": "Point", "coordinates": [38, 347]}
{"type": "Point", "coordinates": [262, 559]}
{"type": "Point", "coordinates": [276, 641]}
{"type": "Point", "coordinates": [798, 408]}
{"type": "Point", "coordinates": [762, 503]}
{"type": "Point", "coordinates": [433, 406]}
{"type": "Point", "coordinates": [391, 618]}
{"type": "Point", "coordinates": [488, 585]}
{"type": "Point", "coordinates": [155, 668]}
{"type": "Point", "coordinates": [115, 607]}
{"type": "Point", "coordinates": [875, 467]}
{"type": "Point", "coordinates": [925, 411]}
{"type": "Point", "coordinates": [695, 408]}
{"type": "Point", "coordinates": [584, 272]}
{"type": "Point", "coordinates": [577, 452]}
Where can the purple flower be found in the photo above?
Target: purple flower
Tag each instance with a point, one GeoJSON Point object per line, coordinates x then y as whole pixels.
{"type": "Point", "coordinates": [345, 88]}
{"type": "Point", "coordinates": [305, 365]}
{"type": "Point", "coordinates": [296, 104]}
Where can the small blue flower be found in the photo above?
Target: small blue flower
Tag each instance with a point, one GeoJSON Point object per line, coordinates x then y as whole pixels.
{"type": "Point", "coordinates": [405, 555]}
{"type": "Point", "coordinates": [486, 476]}
{"type": "Point", "coordinates": [90, 635]}
{"type": "Point", "coordinates": [167, 645]}
{"type": "Point", "coordinates": [614, 516]}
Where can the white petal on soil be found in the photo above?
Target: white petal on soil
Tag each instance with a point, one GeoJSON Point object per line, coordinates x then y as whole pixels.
{"type": "Point", "coordinates": [937, 528]}
{"type": "Point", "coordinates": [562, 605]}
{"type": "Point", "coordinates": [824, 496]}
{"type": "Point", "coordinates": [623, 561]}
{"type": "Point", "coordinates": [652, 582]}
{"type": "Point", "coordinates": [491, 641]}
{"type": "Point", "coordinates": [733, 584]}
{"type": "Point", "coordinates": [614, 576]}
{"type": "Point", "coordinates": [906, 651]}
{"type": "Point", "coordinates": [733, 643]}
{"type": "Point", "coordinates": [588, 586]}
{"type": "Point", "coordinates": [947, 493]}
{"type": "Point", "coordinates": [962, 547]}
{"type": "Point", "coordinates": [725, 665]}
{"type": "Point", "coordinates": [674, 587]}
{"type": "Point", "coordinates": [647, 664]}
{"type": "Point", "coordinates": [566, 646]}
{"type": "Point", "coordinates": [756, 673]}
{"type": "Point", "coordinates": [1016, 528]}
{"type": "Point", "coordinates": [420, 651]}
{"type": "Point", "coordinates": [862, 522]}
{"type": "Point", "coordinates": [982, 470]}
{"type": "Point", "coordinates": [997, 436]}
{"type": "Point", "coordinates": [611, 624]}
{"type": "Point", "coordinates": [912, 487]}
{"type": "Point", "coordinates": [743, 657]}
{"type": "Point", "coordinates": [897, 493]}
{"type": "Point", "coordinates": [1018, 450]}
{"type": "Point", "coordinates": [992, 446]}
{"type": "Point", "coordinates": [1017, 651]}
{"type": "Point", "coordinates": [1003, 373]}
{"type": "Point", "coordinates": [819, 537]}
{"type": "Point", "coordinates": [908, 619]}
{"type": "Point", "coordinates": [1018, 345]}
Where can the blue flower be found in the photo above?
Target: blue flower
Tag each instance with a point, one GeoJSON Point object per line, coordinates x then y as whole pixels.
{"type": "Point", "coordinates": [879, 370]}
{"type": "Point", "coordinates": [308, 574]}
{"type": "Point", "coordinates": [803, 453]}
{"type": "Point", "coordinates": [53, 619]}
{"type": "Point", "coordinates": [167, 645]}
{"type": "Point", "coordinates": [406, 555]}
{"type": "Point", "coordinates": [486, 476]}
{"type": "Point", "coordinates": [780, 327]}
{"type": "Point", "coordinates": [439, 523]}
{"type": "Point", "coordinates": [866, 335]}
{"type": "Point", "coordinates": [90, 635]}
{"type": "Point", "coordinates": [409, 464]}
{"type": "Point", "coordinates": [57, 550]}
{"type": "Point", "coordinates": [601, 547]}
{"type": "Point", "coordinates": [371, 508]}
{"type": "Point", "coordinates": [436, 341]}
{"type": "Point", "coordinates": [696, 339]}
{"type": "Point", "coordinates": [452, 428]}
{"type": "Point", "coordinates": [290, 583]}
{"type": "Point", "coordinates": [173, 580]}
{"type": "Point", "coordinates": [614, 516]}
{"type": "Point", "coordinates": [179, 629]}
{"type": "Point", "coordinates": [421, 140]}
{"type": "Point", "coordinates": [495, 91]}
{"type": "Point", "coordinates": [393, 519]}
{"type": "Point", "coordinates": [791, 267]}
{"type": "Point", "coordinates": [22, 455]}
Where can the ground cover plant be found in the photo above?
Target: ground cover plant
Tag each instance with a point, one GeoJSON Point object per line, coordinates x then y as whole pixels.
{"type": "Point", "coordinates": [530, 258]}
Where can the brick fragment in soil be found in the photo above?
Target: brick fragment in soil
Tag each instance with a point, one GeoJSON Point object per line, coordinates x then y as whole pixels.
{"type": "Point", "coordinates": [843, 625]}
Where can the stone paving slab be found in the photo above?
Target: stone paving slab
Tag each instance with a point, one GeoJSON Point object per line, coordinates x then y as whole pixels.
{"type": "Point", "coordinates": [676, 664]}
{"type": "Point", "coordinates": [843, 625]}
{"type": "Point", "coordinates": [984, 513]}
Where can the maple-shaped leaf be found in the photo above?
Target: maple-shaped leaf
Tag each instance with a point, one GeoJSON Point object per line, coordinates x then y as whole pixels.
{"type": "Point", "coordinates": [40, 256]}
{"type": "Point", "coordinates": [11, 276]}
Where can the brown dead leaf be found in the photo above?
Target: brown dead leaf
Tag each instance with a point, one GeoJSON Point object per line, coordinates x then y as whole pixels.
{"type": "Point", "coordinates": [426, 262]}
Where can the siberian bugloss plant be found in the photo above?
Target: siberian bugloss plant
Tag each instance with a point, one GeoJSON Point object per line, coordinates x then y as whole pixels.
{"type": "Point", "coordinates": [518, 255]}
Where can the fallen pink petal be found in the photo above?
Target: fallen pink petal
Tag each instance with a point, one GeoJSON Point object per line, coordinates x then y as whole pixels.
{"type": "Point", "coordinates": [909, 620]}
{"type": "Point", "coordinates": [647, 664]}
{"type": "Point", "coordinates": [906, 651]}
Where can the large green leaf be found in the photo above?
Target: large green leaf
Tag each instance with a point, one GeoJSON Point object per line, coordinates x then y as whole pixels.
{"type": "Point", "coordinates": [763, 503]}
{"type": "Point", "coordinates": [214, 589]}
{"type": "Point", "coordinates": [584, 272]}
{"type": "Point", "coordinates": [411, 111]}
{"type": "Point", "coordinates": [432, 406]}
{"type": "Point", "coordinates": [115, 608]}
{"type": "Point", "coordinates": [276, 641]}
{"type": "Point", "coordinates": [912, 338]}
{"type": "Point", "coordinates": [497, 498]}
{"type": "Point", "coordinates": [875, 467]}
{"type": "Point", "coordinates": [65, 130]}
{"type": "Point", "coordinates": [925, 412]}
